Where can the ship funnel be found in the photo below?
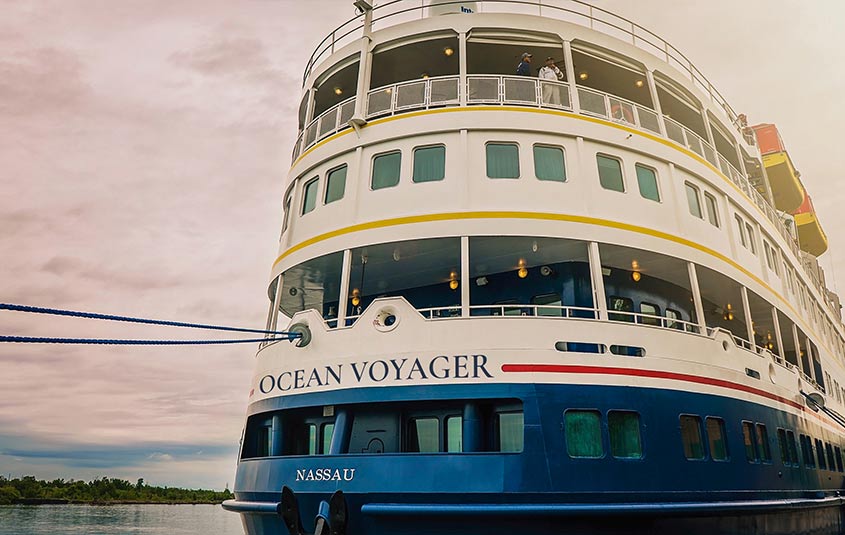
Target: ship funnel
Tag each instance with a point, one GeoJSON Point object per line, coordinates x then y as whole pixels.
{"type": "Point", "coordinates": [447, 7]}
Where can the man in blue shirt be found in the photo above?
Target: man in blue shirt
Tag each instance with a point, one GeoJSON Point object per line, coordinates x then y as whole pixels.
{"type": "Point", "coordinates": [524, 67]}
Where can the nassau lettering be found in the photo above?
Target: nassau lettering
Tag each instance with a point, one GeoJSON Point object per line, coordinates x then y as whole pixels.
{"type": "Point", "coordinates": [325, 474]}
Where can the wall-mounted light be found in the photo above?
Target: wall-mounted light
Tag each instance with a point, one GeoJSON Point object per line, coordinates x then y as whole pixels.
{"type": "Point", "coordinates": [448, 51]}
{"type": "Point", "coordinates": [338, 91]}
{"type": "Point", "coordinates": [534, 246]}
{"type": "Point", "coordinates": [583, 75]}
{"type": "Point", "coordinates": [481, 281]}
{"type": "Point", "coordinates": [453, 281]}
{"type": "Point", "coordinates": [639, 83]}
{"type": "Point", "coordinates": [397, 255]}
{"type": "Point", "coordinates": [424, 75]}
{"type": "Point", "coordinates": [522, 272]}
{"type": "Point", "coordinates": [356, 297]}
{"type": "Point", "coordinates": [546, 271]}
{"type": "Point", "coordinates": [729, 314]}
{"type": "Point", "coordinates": [636, 275]}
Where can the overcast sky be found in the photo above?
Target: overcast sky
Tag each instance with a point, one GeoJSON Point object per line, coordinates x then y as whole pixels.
{"type": "Point", "coordinates": [143, 147]}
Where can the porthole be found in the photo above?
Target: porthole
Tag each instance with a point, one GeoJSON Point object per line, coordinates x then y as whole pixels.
{"type": "Point", "coordinates": [386, 320]}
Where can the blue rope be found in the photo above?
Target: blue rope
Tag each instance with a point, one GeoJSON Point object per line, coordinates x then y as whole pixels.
{"type": "Point", "coordinates": [105, 341]}
{"type": "Point", "coordinates": [91, 315]}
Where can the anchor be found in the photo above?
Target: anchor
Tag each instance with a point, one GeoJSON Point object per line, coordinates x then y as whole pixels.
{"type": "Point", "coordinates": [331, 517]}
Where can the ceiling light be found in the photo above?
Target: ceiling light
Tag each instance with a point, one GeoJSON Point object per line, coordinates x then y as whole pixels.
{"type": "Point", "coordinates": [583, 75]}
{"type": "Point", "coordinates": [338, 91]}
{"type": "Point", "coordinates": [448, 51]}
{"type": "Point", "coordinates": [636, 275]}
{"type": "Point", "coordinates": [639, 83]}
{"type": "Point", "coordinates": [356, 297]}
{"type": "Point", "coordinates": [522, 272]}
{"type": "Point", "coordinates": [453, 284]}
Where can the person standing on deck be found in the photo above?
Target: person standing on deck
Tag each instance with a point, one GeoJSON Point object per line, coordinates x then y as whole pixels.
{"type": "Point", "coordinates": [550, 71]}
{"type": "Point", "coordinates": [524, 67]}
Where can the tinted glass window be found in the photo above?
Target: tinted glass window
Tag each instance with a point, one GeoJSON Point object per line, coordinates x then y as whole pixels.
{"type": "Point", "coordinates": [620, 304]}
{"type": "Point", "coordinates": [820, 454]}
{"type": "Point", "coordinates": [510, 430]}
{"type": "Point", "coordinates": [624, 430]}
{"type": "Point", "coordinates": [424, 435]}
{"type": "Point", "coordinates": [454, 434]}
{"type": "Point", "coordinates": [751, 243]}
{"type": "Point", "coordinates": [838, 453]}
{"type": "Point", "coordinates": [335, 184]}
{"type": "Point", "coordinates": [692, 200]}
{"type": "Point", "coordinates": [740, 226]}
{"type": "Point", "coordinates": [549, 164]}
{"type": "Point", "coordinates": [650, 310]}
{"type": "Point", "coordinates": [312, 439]}
{"type": "Point", "coordinates": [429, 164]}
{"type": "Point", "coordinates": [386, 168]}
{"type": "Point", "coordinates": [583, 433]}
{"type": "Point", "coordinates": [749, 441]}
{"type": "Point", "coordinates": [716, 438]}
{"type": "Point", "coordinates": [763, 444]}
{"type": "Point", "coordinates": [673, 315]}
{"type": "Point", "coordinates": [328, 431]}
{"type": "Point", "coordinates": [712, 213]}
{"type": "Point", "coordinates": [691, 437]}
{"type": "Point", "coordinates": [286, 220]}
{"type": "Point", "coordinates": [793, 449]}
{"type": "Point", "coordinates": [309, 197]}
{"type": "Point", "coordinates": [610, 173]}
{"type": "Point", "coordinates": [647, 180]}
{"type": "Point", "coordinates": [554, 302]}
{"type": "Point", "coordinates": [502, 160]}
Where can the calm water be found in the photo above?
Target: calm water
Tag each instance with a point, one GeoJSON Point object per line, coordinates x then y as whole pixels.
{"type": "Point", "coordinates": [118, 520]}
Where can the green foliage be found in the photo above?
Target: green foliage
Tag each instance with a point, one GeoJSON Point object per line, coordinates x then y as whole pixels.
{"type": "Point", "coordinates": [103, 490]}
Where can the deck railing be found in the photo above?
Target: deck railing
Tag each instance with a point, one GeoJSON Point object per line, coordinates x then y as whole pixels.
{"type": "Point", "coordinates": [413, 95]}
{"type": "Point", "coordinates": [600, 104]}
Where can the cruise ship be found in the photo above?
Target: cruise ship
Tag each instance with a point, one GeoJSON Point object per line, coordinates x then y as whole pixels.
{"type": "Point", "coordinates": [584, 298]}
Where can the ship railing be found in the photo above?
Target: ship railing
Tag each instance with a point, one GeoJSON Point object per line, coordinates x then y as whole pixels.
{"type": "Point", "coordinates": [685, 137]}
{"type": "Point", "coordinates": [533, 310]}
{"type": "Point", "coordinates": [743, 343]}
{"type": "Point", "coordinates": [327, 123]}
{"type": "Point", "coordinates": [654, 320]}
{"type": "Point", "coordinates": [413, 95]}
{"type": "Point", "coordinates": [573, 11]}
{"type": "Point", "coordinates": [617, 109]}
{"type": "Point", "coordinates": [436, 313]}
{"type": "Point", "coordinates": [518, 90]}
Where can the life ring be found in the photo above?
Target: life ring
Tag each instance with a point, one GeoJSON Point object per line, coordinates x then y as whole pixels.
{"type": "Point", "coordinates": [619, 112]}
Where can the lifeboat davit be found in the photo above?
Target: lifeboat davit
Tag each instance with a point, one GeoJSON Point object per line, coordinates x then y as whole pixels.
{"type": "Point", "coordinates": [810, 234]}
{"type": "Point", "coordinates": [787, 189]}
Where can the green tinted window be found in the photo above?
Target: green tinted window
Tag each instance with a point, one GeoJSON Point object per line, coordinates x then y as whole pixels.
{"type": "Point", "coordinates": [309, 197]}
{"type": "Point", "coordinates": [502, 160]}
{"type": "Point", "coordinates": [712, 209]}
{"type": "Point", "coordinates": [763, 444]}
{"type": "Point", "coordinates": [510, 427]}
{"type": "Point", "coordinates": [749, 441]}
{"type": "Point", "coordinates": [716, 438]}
{"type": "Point", "coordinates": [647, 180]}
{"type": "Point", "coordinates": [328, 431]}
{"type": "Point", "coordinates": [335, 184]}
{"type": "Point", "coordinates": [583, 433]}
{"type": "Point", "coordinates": [454, 434]}
{"type": "Point", "coordinates": [624, 430]}
{"type": "Point", "coordinates": [429, 164]}
{"type": "Point", "coordinates": [610, 173]}
{"type": "Point", "coordinates": [691, 437]}
{"type": "Point", "coordinates": [312, 439]}
{"type": "Point", "coordinates": [386, 170]}
{"type": "Point", "coordinates": [693, 200]}
{"type": "Point", "coordinates": [425, 435]}
{"type": "Point", "coordinates": [793, 449]}
{"type": "Point", "coordinates": [785, 458]}
{"type": "Point", "coordinates": [548, 163]}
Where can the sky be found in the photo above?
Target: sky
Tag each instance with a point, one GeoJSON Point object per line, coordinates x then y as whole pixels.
{"type": "Point", "coordinates": [143, 151]}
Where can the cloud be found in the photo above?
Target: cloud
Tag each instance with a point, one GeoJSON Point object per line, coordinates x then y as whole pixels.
{"type": "Point", "coordinates": [41, 81]}
{"type": "Point", "coordinates": [221, 55]}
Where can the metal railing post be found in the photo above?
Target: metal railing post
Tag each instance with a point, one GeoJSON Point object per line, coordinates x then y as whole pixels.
{"type": "Point", "coordinates": [746, 310]}
{"type": "Point", "coordinates": [465, 276]}
{"type": "Point", "coordinates": [343, 298]}
{"type": "Point", "coordinates": [696, 297]}
{"type": "Point", "coordinates": [600, 300]}
{"type": "Point", "coordinates": [569, 66]}
{"type": "Point", "coordinates": [462, 69]}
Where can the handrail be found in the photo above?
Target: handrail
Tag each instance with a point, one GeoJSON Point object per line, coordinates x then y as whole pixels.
{"type": "Point", "coordinates": [586, 15]}
{"type": "Point", "coordinates": [654, 320]}
{"type": "Point", "coordinates": [534, 310]}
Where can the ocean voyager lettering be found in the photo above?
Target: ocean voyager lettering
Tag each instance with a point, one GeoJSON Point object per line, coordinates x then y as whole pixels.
{"type": "Point", "coordinates": [379, 371]}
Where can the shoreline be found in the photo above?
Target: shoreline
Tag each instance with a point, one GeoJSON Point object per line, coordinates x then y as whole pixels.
{"type": "Point", "coordinates": [46, 501]}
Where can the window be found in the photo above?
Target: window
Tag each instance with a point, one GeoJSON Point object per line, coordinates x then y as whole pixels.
{"type": "Point", "coordinates": [502, 160]}
{"type": "Point", "coordinates": [741, 226]}
{"type": "Point", "coordinates": [763, 443]}
{"type": "Point", "coordinates": [820, 454]}
{"type": "Point", "coordinates": [647, 180]}
{"type": "Point", "coordinates": [583, 433]}
{"type": "Point", "coordinates": [831, 462]}
{"type": "Point", "coordinates": [712, 209]}
{"type": "Point", "coordinates": [752, 246]}
{"type": "Point", "coordinates": [716, 438]}
{"type": "Point", "coordinates": [509, 429]}
{"type": "Point", "coordinates": [424, 435]}
{"type": "Point", "coordinates": [807, 451]}
{"type": "Point", "coordinates": [770, 261]}
{"type": "Point", "coordinates": [621, 304]}
{"type": "Point", "coordinates": [454, 434]}
{"type": "Point", "coordinates": [673, 315]}
{"type": "Point", "coordinates": [610, 173]}
{"type": "Point", "coordinates": [386, 168]}
{"type": "Point", "coordinates": [335, 184]}
{"type": "Point", "coordinates": [552, 300]}
{"type": "Point", "coordinates": [312, 439]}
{"type": "Point", "coordinates": [309, 197]}
{"type": "Point", "coordinates": [624, 430]}
{"type": "Point", "coordinates": [793, 449]}
{"type": "Point", "coordinates": [838, 453]}
{"type": "Point", "coordinates": [429, 163]}
{"type": "Point", "coordinates": [691, 437]}
{"type": "Point", "coordinates": [750, 442]}
{"type": "Point", "coordinates": [649, 309]}
{"type": "Point", "coordinates": [785, 456]}
{"type": "Point", "coordinates": [693, 200]}
{"type": "Point", "coordinates": [286, 219]}
{"type": "Point", "coordinates": [549, 163]}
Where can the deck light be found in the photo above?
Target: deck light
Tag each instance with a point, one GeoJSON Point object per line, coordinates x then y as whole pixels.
{"type": "Point", "coordinates": [583, 75]}
{"type": "Point", "coordinates": [453, 281]}
{"type": "Point", "coordinates": [424, 76]}
{"type": "Point", "coordinates": [448, 51]}
{"type": "Point", "coordinates": [638, 83]}
{"type": "Point", "coordinates": [636, 275]}
{"type": "Point", "coordinates": [522, 272]}
{"type": "Point", "coordinates": [356, 297]}
{"type": "Point", "coordinates": [338, 91]}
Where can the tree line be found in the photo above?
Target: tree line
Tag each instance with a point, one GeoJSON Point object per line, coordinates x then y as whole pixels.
{"type": "Point", "coordinates": [27, 489]}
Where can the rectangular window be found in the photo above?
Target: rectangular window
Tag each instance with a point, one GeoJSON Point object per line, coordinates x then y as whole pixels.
{"type": "Point", "coordinates": [716, 438]}
{"type": "Point", "coordinates": [750, 443]}
{"type": "Point", "coordinates": [691, 437]}
{"type": "Point", "coordinates": [335, 184]}
{"type": "Point", "coordinates": [583, 433]}
{"type": "Point", "coordinates": [624, 430]}
{"type": "Point", "coordinates": [807, 451]}
{"type": "Point", "coordinates": [620, 304]}
{"type": "Point", "coordinates": [767, 249]}
{"type": "Point", "coordinates": [647, 180]}
{"type": "Point", "coordinates": [784, 448]}
{"type": "Point", "coordinates": [265, 439]}
{"type": "Point", "coordinates": [454, 434]}
{"type": "Point", "coordinates": [831, 462]}
{"type": "Point", "coordinates": [328, 432]}
{"type": "Point", "coordinates": [286, 219]}
{"type": "Point", "coordinates": [610, 173]}
{"type": "Point", "coordinates": [424, 435]}
{"type": "Point", "coordinates": [673, 315]}
{"type": "Point", "coordinates": [712, 209]}
{"type": "Point", "coordinates": [820, 454]}
{"type": "Point", "coordinates": [838, 454]}
{"type": "Point", "coordinates": [649, 309]}
{"type": "Point", "coordinates": [549, 163]}
{"type": "Point", "coordinates": [309, 197]}
{"type": "Point", "coordinates": [312, 439]}
{"type": "Point", "coordinates": [552, 300]}
{"type": "Point", "coordinates": [763, 443]}
{"type": "Point", "coordinates": [752, 246]}
{"type": "Point", "coordinates": [741, 226]}
{"type": "Point", "coordinates": [386, 169]}
{"type": "Point", "coordinates": [429, 164]}
{"type": "Point", "coordinates": [502, 160]}
{"type": "Point", "coordinates": [793, 449]}
{"type": "Point", "coordinates": [693, 200]}
{"type": "Point", "coordinates": [509, 428]}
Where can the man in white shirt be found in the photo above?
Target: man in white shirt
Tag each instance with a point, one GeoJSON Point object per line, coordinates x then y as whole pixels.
{"type": "Point", "coordinates": [551, 92]}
